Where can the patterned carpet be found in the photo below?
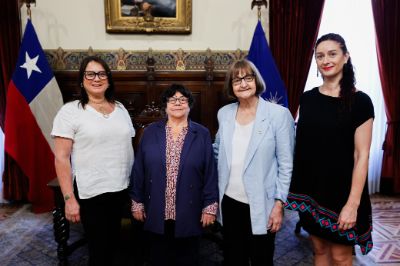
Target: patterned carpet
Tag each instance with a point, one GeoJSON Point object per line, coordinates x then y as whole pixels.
{"type": "Point", "coordinates": [27, 239]}
{"type": "Point", "coordinates": [6, 210]}
{"type": "Point", "coordinates": [386, 218]}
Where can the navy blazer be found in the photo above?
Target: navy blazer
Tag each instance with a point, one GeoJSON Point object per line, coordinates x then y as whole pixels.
{"type": "Point", "coordinates": [197, 180]}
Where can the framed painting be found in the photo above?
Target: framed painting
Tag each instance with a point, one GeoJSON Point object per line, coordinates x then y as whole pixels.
{"type": "Point", "coordinates": [148, 16]}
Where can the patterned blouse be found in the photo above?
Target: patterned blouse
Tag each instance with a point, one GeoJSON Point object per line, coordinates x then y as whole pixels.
{"type": "Point", "coordinates": [173, 156]}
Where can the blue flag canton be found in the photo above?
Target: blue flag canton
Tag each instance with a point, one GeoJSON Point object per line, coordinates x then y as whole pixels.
{"type": "Point", "coordinates": [261, 57]}
{"type": "Point", "coordinates": [32, 72]}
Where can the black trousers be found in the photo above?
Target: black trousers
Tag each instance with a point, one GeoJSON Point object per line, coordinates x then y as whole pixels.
{"type": "Point", "coordinates": [101, 218]}
{"type": "Point", "coordinates": [167, 250]}
{"type": "Point", "coordinates": [240, 246]}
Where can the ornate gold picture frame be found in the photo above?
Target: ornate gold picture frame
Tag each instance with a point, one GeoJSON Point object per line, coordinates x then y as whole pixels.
{"type": "Point", "coordinates": [148, 16]}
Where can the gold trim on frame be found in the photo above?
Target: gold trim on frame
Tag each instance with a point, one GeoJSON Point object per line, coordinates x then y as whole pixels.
{"type": "Point", "coordinates": [116, 23]}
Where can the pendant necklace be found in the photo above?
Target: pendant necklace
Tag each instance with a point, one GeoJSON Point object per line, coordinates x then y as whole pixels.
{"type": "Point", "coordinates": [105, 115]}
{"type": "Point", "coordinates": [101, 108]}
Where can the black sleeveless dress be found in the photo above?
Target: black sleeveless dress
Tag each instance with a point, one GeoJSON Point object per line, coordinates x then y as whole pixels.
{"type": "Point", "coordinates": [323, 165]}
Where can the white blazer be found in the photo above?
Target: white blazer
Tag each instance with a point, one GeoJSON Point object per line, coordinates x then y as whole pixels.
{"type": "Point", "coordinates": [268, 163]}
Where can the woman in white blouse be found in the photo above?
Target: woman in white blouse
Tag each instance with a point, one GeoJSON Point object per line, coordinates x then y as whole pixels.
{"type": "Point", "coordinates": [94, 155]}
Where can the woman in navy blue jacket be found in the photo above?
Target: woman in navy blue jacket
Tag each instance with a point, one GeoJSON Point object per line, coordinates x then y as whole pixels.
{"type": "Point", "coordinates": [174, 186]}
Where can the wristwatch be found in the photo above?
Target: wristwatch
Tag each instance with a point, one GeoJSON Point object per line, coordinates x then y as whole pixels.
{"type": "Point", "coordinates": [282, 203]}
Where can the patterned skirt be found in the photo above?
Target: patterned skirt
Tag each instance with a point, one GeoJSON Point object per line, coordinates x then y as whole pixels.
{"type": "Point", "coordinates": [322, 222]}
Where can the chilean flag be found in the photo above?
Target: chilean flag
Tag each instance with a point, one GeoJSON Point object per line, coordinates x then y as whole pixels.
{"type": "Point", "coordinates": [33, 99]}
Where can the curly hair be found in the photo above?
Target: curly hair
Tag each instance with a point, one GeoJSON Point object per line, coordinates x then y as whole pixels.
{"type": "Point", "coordinates": [170, 92]}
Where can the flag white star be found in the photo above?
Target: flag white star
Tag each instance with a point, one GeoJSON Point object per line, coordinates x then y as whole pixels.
{"type": "Point", "coordinates": [30, 64]}
{"type": "Point", "coordinates": [274, 98]}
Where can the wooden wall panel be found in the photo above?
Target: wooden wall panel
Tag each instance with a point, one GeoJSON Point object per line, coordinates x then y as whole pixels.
{"type": "Point", "coordinates": [138, 90]}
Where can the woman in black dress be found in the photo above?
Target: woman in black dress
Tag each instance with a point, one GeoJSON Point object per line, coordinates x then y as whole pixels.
{"type": "Point", "coordinates": [333, 139]}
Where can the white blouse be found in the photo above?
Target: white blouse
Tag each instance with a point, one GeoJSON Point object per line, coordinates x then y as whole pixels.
{"type": "Point", "coordinates": [102, 153]}
{"type": "Point", "coordinates": [240, 143]}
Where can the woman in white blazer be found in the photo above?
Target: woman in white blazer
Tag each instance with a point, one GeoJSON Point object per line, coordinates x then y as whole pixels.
{"type": "Point", "coordinates": [254, 148]}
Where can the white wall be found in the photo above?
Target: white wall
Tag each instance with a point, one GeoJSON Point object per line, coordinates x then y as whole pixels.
{"type": "Point", "coordinates": [78, 24]}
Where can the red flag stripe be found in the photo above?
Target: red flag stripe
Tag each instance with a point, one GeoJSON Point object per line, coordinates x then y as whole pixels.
{"type": "Point", "coordinates": [25, 142]}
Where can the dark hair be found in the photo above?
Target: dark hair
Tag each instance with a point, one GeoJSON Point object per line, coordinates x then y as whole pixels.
{"type": "Point", "coordinates": [348, 81]}
{"type": "Point", "coordinates": [247, 67]}
{"type": "Point", "coordinates": [170, 92]}
{"type": "Point", "coordinates": [109, 93]}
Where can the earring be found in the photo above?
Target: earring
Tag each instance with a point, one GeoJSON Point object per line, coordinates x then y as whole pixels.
{"type": "Point", "coordinates": [81, 85]}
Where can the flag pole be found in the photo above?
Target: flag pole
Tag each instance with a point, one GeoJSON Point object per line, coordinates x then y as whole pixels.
{"type": "Point", "coordinates": [28, 7]}
{"type": "Point", "coordinates": [259, 4]}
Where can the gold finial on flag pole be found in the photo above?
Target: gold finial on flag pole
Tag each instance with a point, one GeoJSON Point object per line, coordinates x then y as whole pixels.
{"type": "Point", "coordinates": [28, 7]}
{"type": "Point", "coordinates": [259, 4]}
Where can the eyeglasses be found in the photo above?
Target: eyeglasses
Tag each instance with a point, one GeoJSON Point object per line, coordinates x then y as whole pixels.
{"type": "Point", "coordinates": [247, 78]}
{"type": "Point", "coordinates": [91, 75]}
{"type": "Point", "coordinates": [182, 100]}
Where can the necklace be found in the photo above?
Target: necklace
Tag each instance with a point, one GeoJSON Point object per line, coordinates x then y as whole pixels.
{"type": "Point", "coordinates": [100, 107]}
{"type": "Point", "coordinates": [103, 112]}
{"type": "Point", "coordinates": [177, 126]}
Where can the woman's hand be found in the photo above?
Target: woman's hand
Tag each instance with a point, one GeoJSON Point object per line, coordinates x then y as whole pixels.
{"type": "Point", "coordinates": [72, 210]}
{"type": "Point", "coordinates": [207, 219]}
{"type": "Point", "coordinates": [276, 217]}
{"type": "Point", "coordinates": [139, 215]}
{"type": "Point", "coordinates": [347, 217]}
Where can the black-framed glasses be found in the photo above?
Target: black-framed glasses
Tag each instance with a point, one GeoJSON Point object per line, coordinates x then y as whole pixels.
{"type": "Point", "coordinates": [182, 100]}
{"type": "Point", "coordinates": [248, 78]}
{"type": "Point", "coordinates": [91, 75]}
